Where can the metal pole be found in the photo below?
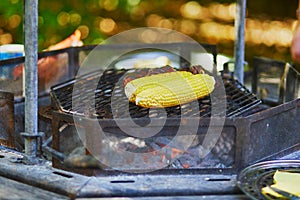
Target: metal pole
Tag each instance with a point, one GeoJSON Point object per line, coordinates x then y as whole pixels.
{"type": "Point", "coordinates": [239, 49]}
{"type": "Point", "coordinates": [31, 78]}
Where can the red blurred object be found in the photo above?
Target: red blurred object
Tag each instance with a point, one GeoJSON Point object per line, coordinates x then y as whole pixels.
{"type": "Point", "coordinates": [52, 68]}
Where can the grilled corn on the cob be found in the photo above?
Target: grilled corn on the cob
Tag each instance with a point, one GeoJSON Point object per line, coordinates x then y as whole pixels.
{"type": "Point", "coordinates": [169, 89]}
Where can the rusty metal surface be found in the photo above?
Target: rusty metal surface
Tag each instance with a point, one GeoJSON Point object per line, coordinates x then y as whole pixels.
{"type": "Point", "coordinates": [74, 185]}
{"type": "Point", "coordinates": [7, 137]}
{"type": "Point", "coordinates": [178, 197]}
{"type": "Point", "coordinates": [272, 131]}
{"type": "Point", "coordinates": [254, 137]}
{"type": "Point", "coordinates": [176, 184]}
{"type": "Point", "coordinates": [44, 180]}
{"type": "Point", "coordinates": [13, 190]}
{"type": "Point", "coordinates": [40, 175]}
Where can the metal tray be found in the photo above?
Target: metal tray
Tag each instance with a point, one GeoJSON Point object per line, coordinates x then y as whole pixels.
{"type": "Point", "coordinates": [253, 178]}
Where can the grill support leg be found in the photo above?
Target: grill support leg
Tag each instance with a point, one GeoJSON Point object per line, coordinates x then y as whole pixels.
{"type": "Point", "coordinates": [239, 47]}
{"type": "Point", "coordinates": [31, 78]}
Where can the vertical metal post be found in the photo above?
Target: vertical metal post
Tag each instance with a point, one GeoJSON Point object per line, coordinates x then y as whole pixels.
{"type": "Point", "coordinates": [239, 48]}
{"type": "Point", "coordinates": [31, 77]}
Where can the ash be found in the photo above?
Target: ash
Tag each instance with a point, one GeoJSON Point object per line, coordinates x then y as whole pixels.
{"type": "Point", "coordinates": [195, 157]}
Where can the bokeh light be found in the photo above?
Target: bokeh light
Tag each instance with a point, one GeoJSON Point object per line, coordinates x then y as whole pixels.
{"type": "Point", "coordinates": [63, 18]}
{"type": "Point", "coordinates": [133, 2]}
{"type": "Point", "coordinates": [107, 25]}
{"type": "Point", "coordinates": [205, 21]}
{"type": "Point", "coordinates": [84, 31]}
{"type": "Point", "coordinates": [109, 5]}
{"type": "Point", "coordinates": [75, 19]}
{"type": "Point", "coordinates": [6, 38]}
{"type": "Point", "coordinates": [3, 21]}
{"type": "Point", "coordinates": [191, 10]}
{"type": "Point", "coordinates": [14, 21]}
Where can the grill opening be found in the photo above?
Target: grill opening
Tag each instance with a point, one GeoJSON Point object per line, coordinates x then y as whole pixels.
{"type": "Point", "coordinates": [63, 174]}
{"type": "Point", "coordinates": [122, 181]}
{"type": "Point", "coordinates": [218, 179]}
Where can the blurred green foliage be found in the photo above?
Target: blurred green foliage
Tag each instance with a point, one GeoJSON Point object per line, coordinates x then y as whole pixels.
{"type": "Point", "coordinates": [58, 19]}
{"type": "Point", "coordinates": [50, 30]}
{"type": "Point", "coordinates": [88, 11]}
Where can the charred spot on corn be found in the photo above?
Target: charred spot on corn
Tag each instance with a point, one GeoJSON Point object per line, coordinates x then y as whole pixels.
{"type": "Point", "coordinates": [169, 89]}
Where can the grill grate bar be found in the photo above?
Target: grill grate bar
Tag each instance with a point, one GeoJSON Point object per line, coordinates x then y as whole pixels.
{"type": "Point", "coordinates": [102, 89]}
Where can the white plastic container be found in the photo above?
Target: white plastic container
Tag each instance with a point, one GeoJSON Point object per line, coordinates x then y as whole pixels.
{"type": "Point", "coordinates": [8, 51]}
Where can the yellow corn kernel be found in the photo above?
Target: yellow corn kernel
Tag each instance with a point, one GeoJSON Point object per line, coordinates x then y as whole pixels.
{"type": "Point", "coordinates": [169, 89]}
{"type": "Point", "coordinates": [135, 86]}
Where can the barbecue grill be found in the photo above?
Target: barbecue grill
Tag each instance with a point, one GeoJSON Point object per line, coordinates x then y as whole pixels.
{"type": "Point", "coordinates": [238, 97]}
{"type": "Point", "coordinates": [252, 131]}
{"type": "Point", "coordinates": [246, 129]}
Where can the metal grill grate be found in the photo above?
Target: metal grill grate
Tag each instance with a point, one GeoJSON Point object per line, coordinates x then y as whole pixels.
{"type": "Point", "coordinates": [239, 98]}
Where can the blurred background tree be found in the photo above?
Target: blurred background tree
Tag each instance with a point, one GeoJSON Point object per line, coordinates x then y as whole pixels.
{"type": "Point", "coordinates": [269, 24]}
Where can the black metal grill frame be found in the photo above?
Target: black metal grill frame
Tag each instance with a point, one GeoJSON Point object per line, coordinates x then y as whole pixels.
{"type": "Point", "coordinates": [253, 141]}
